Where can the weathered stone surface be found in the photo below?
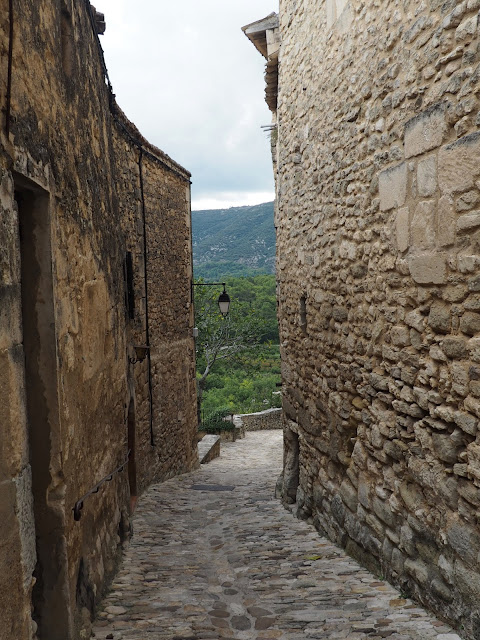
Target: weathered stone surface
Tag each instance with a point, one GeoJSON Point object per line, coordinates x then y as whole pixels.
{"type": "Point", "coordinates": [425, 131]}
{"type": "Point", "coordinates": [466, 422]}
{"type": "Point", "coordinates": [458, 164]}
{"type": "Point", "coordinates": [392, 184]}
{"type": "Point", "coordinates": [447, 446]}
{"type": "Point", "coordinates": [439, 318]}
{"type": "Point", "coordinates": [470, 323]}
{"type": "Point", "coordinates": [468, 221]}
{"type": "Point", "coordinates": [427, 176]}
{"type": "Point", "coordinates": [446, 220]}
{"type": "Point", "coordinates": [403, 229]}
{"type": "Point", "coordinates": [268, 419]}
{"type": "Point", "coordinates": [423, 225]}
{"type": "Point", "coordinates": [454, 347]}
{"type": "Point", "coordinates": [428, 268]}
{"type": "Point", "coordinates": [418, 570]}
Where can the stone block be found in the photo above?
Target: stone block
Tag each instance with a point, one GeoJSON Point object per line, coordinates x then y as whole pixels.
{"type": "Point", "coordinates": [402, 229]}
{"type": "Point", "coordinates": [474, 349]}
{"type": "Point", "coordinates": [470, 323]}
{"type": "Point", "coordinates": [466, 263]}
{"type": "Point", "coordinates": [467, 581]}
{"type": "Point", "coordinates": [459, 164]}
{"type": "Point", "coordinates": [398, 560]}
{"type": "Point", "coordinates": [331, 13]}
{"type": "Point", "coordinates": [445, 593]}
{"type": "Point", "coordinates": [428, 268]}
{"type": "Point", "coordinates": [472, 405]}
{"type": "Point", "coordinates": [400, 336]}
{"type": "Point", "coordinates": [289, 408]}
{"type": "Point", "coordinates": [439, 318]}
{"type": "Point", "coordinates": [392, 185]}
{"type": "Point", "coordinates": [418, 570]}
{"type": "Point", "coordinates": [396, 449]}
{"type": "Point", "coordinates": [415, 320]}
{"type": "Point", "coordinates": [375, 525]}
{"type": "Point", "coordinates": [465, 540]}
{"type": "Point", "coordinates": [468, 221]}
{"type": "Point", "coordinates": [10, 313]}
{"type": "Point", "coordinates": [94, 326]}
{"type": "Point", "coordinates": [423, 225]}
{"type": "Point", "coordinates": [348, 494]}
{"type": "Point", "coordinates": [427, 176]}
{"type": "Point", "coordinates": [447, 446]}
{"type": "Point", "coordinates": [13, 421]}
{"type": "Point", "coordinates": [467, 29]}
{"type": "Point", "coordinates": [467, 201]}
{"type": "Point", "coordinates": [383, 511]}
{"type": "Point", "coordinates": [425, 131]}
{"type": "Point", "coordinates": [454, 347]}
{"type": "Point", "coordinates": [364, 492]}
{"type": "Point", "coordinates": [445, 222]}
{"type": "Point", "coordinates": [11, 571]}
{"type": "Point", "coordinates": [338, 510]}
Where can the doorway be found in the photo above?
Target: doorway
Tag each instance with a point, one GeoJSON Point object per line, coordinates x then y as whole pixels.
{"type": "Point", "coordinates": [51, 603]}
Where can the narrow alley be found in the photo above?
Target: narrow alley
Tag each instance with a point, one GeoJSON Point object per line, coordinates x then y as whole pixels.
{"type": "Point", "coordinates": [215, 555]}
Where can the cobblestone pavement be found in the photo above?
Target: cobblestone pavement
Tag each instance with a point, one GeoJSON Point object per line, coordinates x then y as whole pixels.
{"type": "Point", "coordinates": [214, 556]}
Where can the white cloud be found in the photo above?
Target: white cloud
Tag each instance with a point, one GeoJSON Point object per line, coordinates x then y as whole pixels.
{"type": "Point", "coordinates": [188, 77]}
{"type": "Point", "coordinates": [227, 199]}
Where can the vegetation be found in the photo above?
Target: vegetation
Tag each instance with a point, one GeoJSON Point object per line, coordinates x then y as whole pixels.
{"type": "Point", "coordinates": [246, 384]}
{"type": "Point", "coordinates": [220, 269]}
{"type": "Point", "coordinates": [239, 241]}
{"type": "Point", "coordinates": [216, 421]}
{"type": "Point", "coordinates": [238, 362]}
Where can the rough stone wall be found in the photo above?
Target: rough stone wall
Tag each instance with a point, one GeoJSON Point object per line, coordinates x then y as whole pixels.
{"type": "Point", "coordinates": [71, 208]}
{"type": "Point", "coordinates": [157, 191]}
{"type": "Point", "coordinates": [378, 188]}
{"type": "Point", "coordinates": [269, 419]}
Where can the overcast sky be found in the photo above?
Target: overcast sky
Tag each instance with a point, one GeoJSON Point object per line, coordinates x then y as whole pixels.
{"type": "Point", "coordinates": [193, 84]}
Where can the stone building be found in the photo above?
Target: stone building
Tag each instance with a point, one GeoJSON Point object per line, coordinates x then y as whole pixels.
{"type": "Point", "coordinates": [376, 140]}
{"type": "Point", "coordinates": [95, 260]}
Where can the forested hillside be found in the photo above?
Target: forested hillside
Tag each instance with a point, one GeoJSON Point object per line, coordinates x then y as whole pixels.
{"type": "Point", "coordinates": [239, 241]}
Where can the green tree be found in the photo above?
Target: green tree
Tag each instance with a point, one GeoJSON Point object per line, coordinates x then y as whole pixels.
{"type": "Point", "coordinates": [219, 338]}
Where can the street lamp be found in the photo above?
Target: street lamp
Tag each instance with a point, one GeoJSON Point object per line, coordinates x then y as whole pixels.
{"type": "Point", "coordinates": [223, 298]}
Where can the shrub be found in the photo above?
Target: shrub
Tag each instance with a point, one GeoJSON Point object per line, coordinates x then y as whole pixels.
{"type": "Point", "coordinates": [216, 421]}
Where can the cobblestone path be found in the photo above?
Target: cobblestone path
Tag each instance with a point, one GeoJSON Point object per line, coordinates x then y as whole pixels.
{"type": "Point", "coordinates": [214, 555]}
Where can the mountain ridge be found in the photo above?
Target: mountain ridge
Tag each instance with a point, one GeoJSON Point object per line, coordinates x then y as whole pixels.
{"type": "Point", "coordinates": [238, 241]}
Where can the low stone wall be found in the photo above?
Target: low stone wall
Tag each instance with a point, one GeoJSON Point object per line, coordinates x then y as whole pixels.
{"type": "Point", "coordinates": [269, 419]}
{"type": "Point", "coordinates": [208, 448]}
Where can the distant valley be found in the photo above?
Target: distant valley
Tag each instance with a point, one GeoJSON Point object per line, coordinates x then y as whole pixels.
{"type": "Point", "coordinates": [239, 241]}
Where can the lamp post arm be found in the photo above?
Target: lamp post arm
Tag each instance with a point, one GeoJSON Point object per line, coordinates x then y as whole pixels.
{"type": "Point", "coordinates": [223, 300]}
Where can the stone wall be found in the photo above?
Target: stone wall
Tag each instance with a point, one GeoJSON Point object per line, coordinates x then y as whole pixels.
{"type": "Point", "coordinates": [378, 198]}
{"type": "Point", "coordinates": [87, 205]}
{"type": "Point", "coordinates": [269, 419]}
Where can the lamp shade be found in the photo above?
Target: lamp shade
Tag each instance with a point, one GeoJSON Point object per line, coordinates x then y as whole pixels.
{"type": "Point", "coordinates": [224, 303]}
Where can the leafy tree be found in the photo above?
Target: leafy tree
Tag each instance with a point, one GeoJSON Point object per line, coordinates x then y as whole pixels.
{"type": "Point", "coordinates": [220, 339]}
